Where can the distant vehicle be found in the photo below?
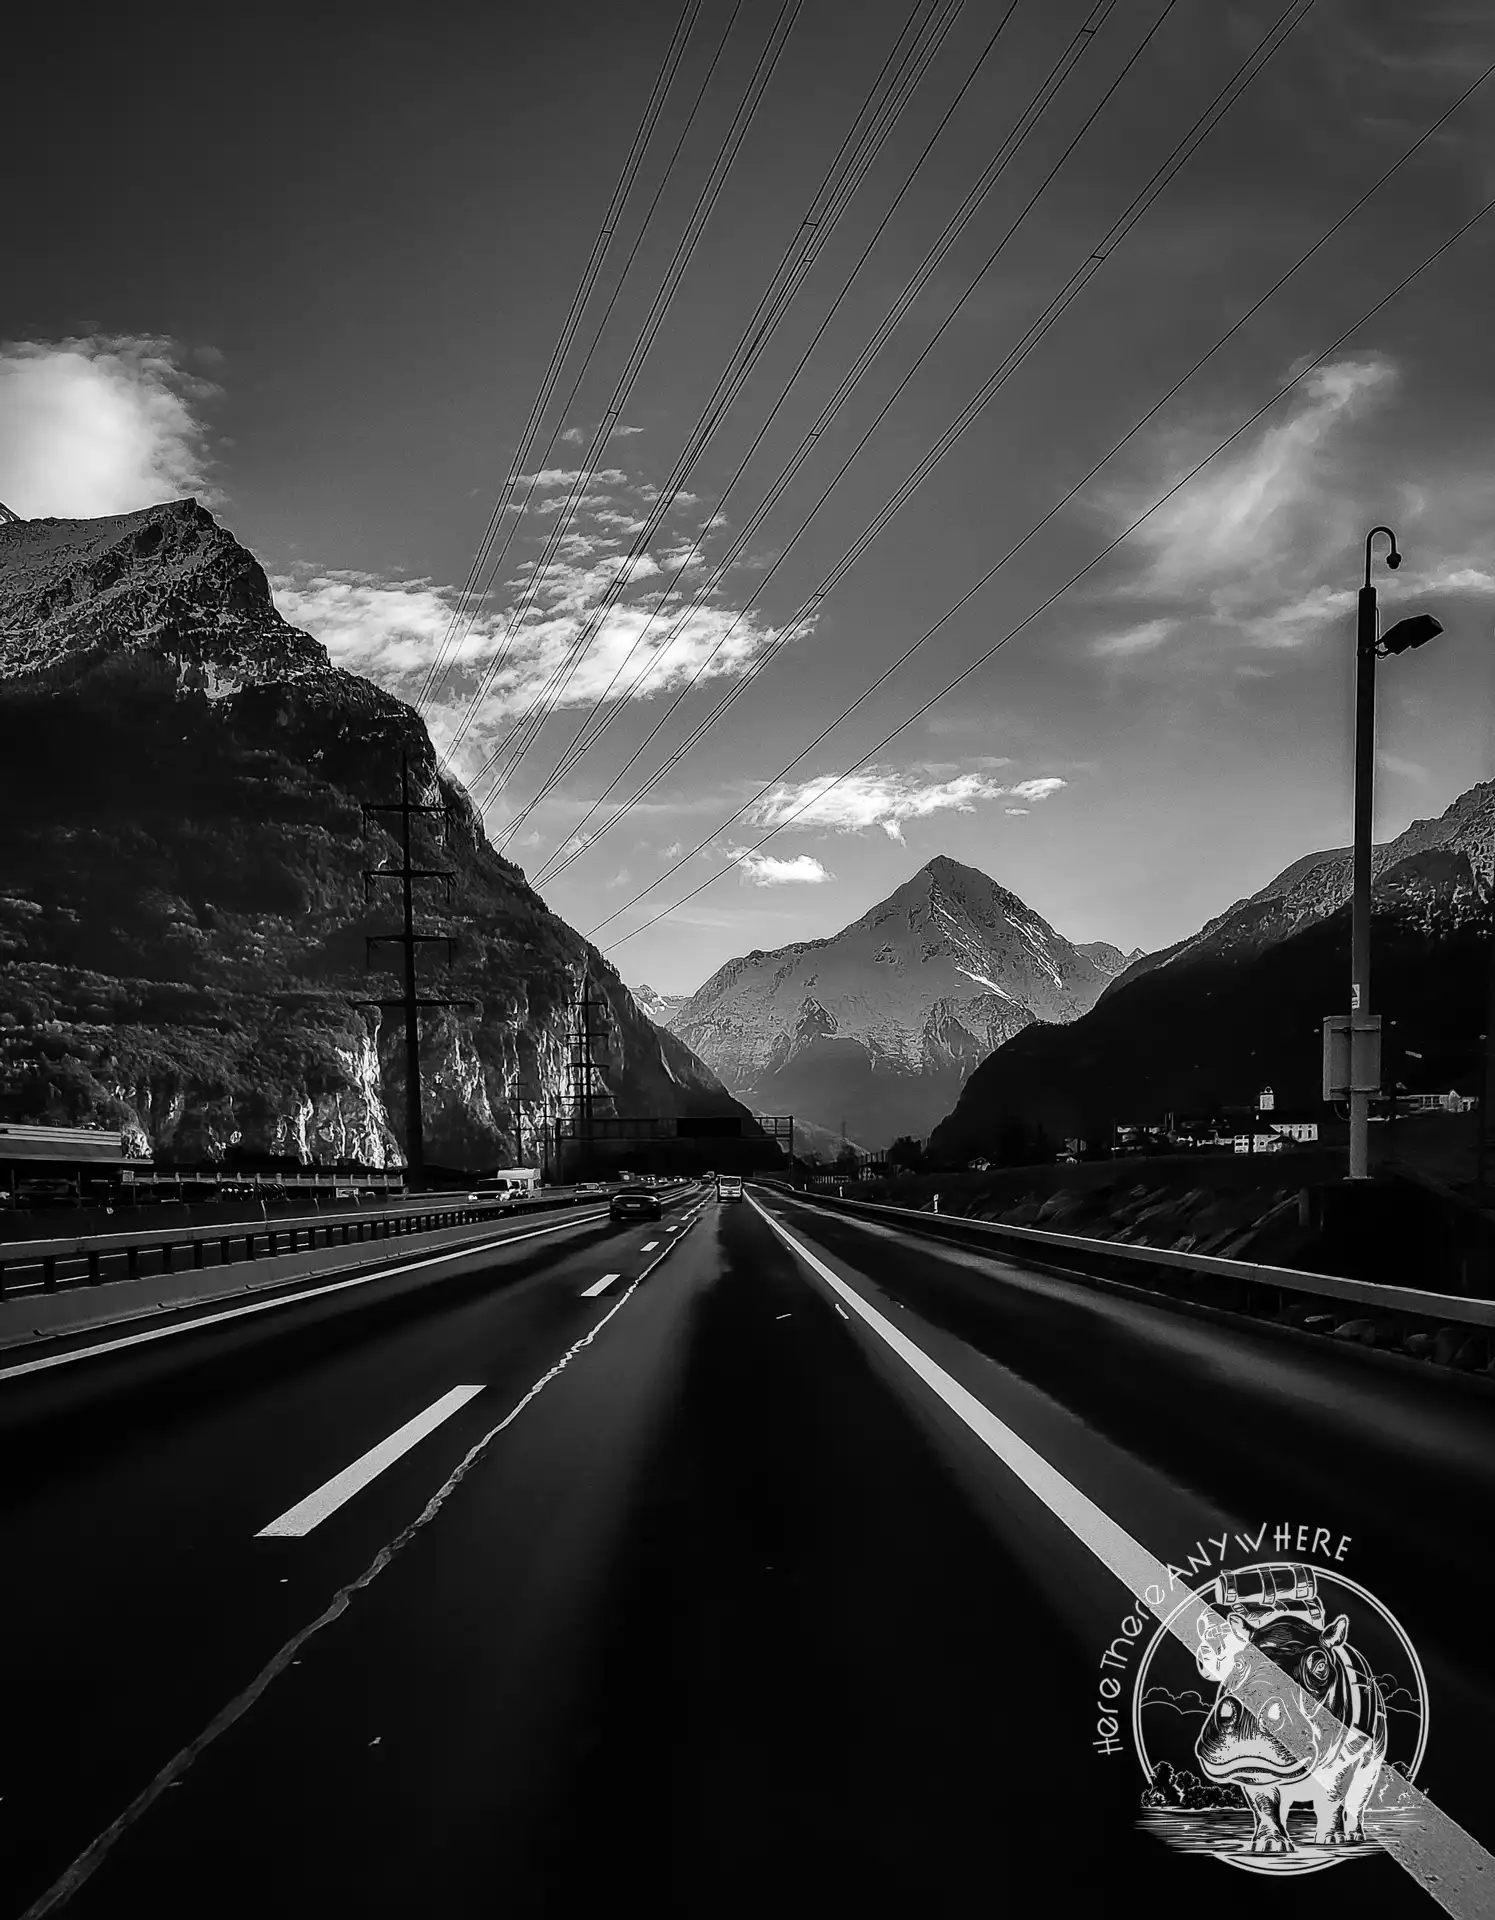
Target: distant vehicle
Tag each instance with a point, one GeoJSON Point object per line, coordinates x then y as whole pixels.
{"type": "Point", "coordinates": [729, 1187]}
{"type": "Point", "coordinates": [635, 1203]}
{"type": "Point", "coordinates": [495, 1194]}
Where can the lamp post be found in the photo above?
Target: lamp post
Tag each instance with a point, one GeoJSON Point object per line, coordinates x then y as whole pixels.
{"type": "Point", "coordinates": [1414, 632]}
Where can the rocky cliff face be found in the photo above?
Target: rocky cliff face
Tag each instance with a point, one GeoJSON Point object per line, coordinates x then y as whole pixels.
{"type": "Point", "coordinates": [182, 902]}
{"type": "Point", "coordinates": [878, 1027]}
{"type": "Point", "coordinates": [1316, 886]}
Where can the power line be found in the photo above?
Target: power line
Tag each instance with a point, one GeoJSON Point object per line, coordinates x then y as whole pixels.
{"type": "Point", "coordinates": [1134, 429]}
{"type": "Point", "coordinates": [989, 175]}
{"type": "Point", "coordinates": [593, 269]}
{"type": "Point", "coordinates": [1160, 179]}
{"type": "Point", "coordinates": [1318, 360]}
{"type": "Point", "coordinates": [705, 204]}
{"type": "Point", "coordinates": [831, 200]}
{"type": "Point", "coordinates": [638, 241]}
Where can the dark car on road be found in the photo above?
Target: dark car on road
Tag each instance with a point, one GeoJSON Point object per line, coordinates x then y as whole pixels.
{"type": "Point", "coordinates": [635, 1203]}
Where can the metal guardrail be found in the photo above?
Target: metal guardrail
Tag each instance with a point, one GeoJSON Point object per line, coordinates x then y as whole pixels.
{"type": "Point", "coordinates": [1442, 1307]}
{"type": "Point", "coordinates": [270, 1236]}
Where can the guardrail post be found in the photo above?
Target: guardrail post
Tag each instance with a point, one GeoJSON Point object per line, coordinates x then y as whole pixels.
{"type": "Point", "coordinates": [49, 1273]}
{"type": "Point", "coordinates": [166, 1256]}
{"type": "Point", "coordinates": [225, 1253]}
{"type": "Point", "coordinates": [94, 1275]}
{"type": "Point", "coordinates": [2, 1279]}
{"type": "Point", "coordinates": [196, 1253]}
{"type": "Point", "coordinates": [132, 1261]}
{"type": "Point", "coordinates": [249, 1252]}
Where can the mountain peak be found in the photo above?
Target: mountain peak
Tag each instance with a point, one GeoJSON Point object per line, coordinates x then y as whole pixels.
{"type": "Point", "coordinates": [885, 1018]}
{"type": "Point", "coordinates": [166, 581]}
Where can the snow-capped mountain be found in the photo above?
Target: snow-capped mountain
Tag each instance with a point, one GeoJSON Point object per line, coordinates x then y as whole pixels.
{"type": "Point", "coordinates": [660, 1007]}
{"type": "Point", "coordinates": [873, 1031]}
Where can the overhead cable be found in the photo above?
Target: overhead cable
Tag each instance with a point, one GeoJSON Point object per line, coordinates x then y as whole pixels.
{"type": "Point", "coordinates": [583, 294]}
{"type": "Point", "coordinates": [1044, 605]}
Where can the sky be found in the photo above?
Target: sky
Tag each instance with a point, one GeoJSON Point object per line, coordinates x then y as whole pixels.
{"type": "Point", "coordinates": [313, 266]}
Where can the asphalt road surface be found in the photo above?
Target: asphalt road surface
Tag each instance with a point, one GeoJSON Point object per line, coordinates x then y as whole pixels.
{"type": "Point", "coordinates": [627, 1568]}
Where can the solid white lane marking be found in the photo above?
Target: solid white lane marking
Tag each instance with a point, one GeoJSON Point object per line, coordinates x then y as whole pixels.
{"type": "Point", "coordinates": [1448, 1863]}
{"type": "Point", "coordinates": [599, 1286]}
{"type": "Point", "coordinates": [286, 1299]}
{"type": "Point", "coordinates": [650, 1245]}
{"type": "Point", "coordinates": [296, 1522]}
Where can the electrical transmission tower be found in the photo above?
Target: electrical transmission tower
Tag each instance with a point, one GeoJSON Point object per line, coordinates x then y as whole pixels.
{"type": "Point", "coordinates": [587, 1041]}
{"type": "Point", "coordinates": [409, 939]}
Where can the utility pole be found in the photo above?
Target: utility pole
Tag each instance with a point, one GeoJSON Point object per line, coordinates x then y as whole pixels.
{"type": "Point", "coordinates": [409, 939]}
{"type": "Point", "coordinates": [1364, 1029]}
{"type": "Point", "coordinates": [1484, 1123]}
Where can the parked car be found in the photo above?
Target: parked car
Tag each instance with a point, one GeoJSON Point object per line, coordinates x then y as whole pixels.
{"type": "Point", "coordinates": [635, 1203]}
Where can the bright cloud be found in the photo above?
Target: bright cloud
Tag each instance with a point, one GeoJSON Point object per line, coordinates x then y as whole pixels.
{"type": "Point", "coordinates": [518, 646]}
{"type": "Point", "coordinates": [1275, 502]}
{"type": "Point", "coordinates": [100, 425]}
{"type": "Point", "coordinates": [886, 798]}
{"type": "Point", "coordinates": [1132, 640]}
{"type": "Point", "coordinates": [568, 477]}
{"type": "Point", "coordinates": [763, 870]}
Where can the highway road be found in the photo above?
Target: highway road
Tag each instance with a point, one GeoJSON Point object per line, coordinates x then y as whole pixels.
{"type": "Point", "coordinates": [706, 1566]}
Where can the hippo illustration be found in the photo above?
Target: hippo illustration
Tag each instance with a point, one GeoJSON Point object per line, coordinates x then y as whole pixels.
{"type": "Point", "coordinates": [1320, 1737]}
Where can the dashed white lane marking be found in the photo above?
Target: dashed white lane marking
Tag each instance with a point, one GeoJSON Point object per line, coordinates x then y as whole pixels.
{"type": "Point", "coordinates": [93, 1856]}
{"type": "Point", "coordinates": [600, 1286]}
{"type": "Point", "coordinates": [650, 1245]}
{"type": "Point", "coordinates": [296, 1522]}
{"type": "Point", "coordinates": [672, 1229]}
{"type": "Point", "coordinates": [841, 1310]}
{"type": "Point", "coordinates": [1448, 1863]}
{"type": "Point", "coordinates": [287, 1299]}
{"type": "Point", "coordinates": [781, 1316]}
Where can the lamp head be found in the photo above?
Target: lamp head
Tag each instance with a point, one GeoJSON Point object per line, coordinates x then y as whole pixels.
{"type": "Point", "coordinates": [1413, 632]}
{"type": "Point", "coordinates": [1393, 559]}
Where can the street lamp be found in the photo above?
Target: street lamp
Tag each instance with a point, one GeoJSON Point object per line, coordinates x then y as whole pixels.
{"type": "Point", "coordinates": [1364, 1035]}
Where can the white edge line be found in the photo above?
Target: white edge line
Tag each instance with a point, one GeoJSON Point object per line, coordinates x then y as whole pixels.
{"type": "Point", "coordinates": [296, 1522]}
{"type": "Point", "coordinates": [283, 1300]}
{"type": "Point", "coordinates": [1447, 1862]}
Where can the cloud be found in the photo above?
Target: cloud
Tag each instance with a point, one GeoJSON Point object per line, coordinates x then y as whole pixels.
{"type": "Point", "coordinates": [886, 798]}
{"type": "Point", "coordinates": [1131, 640]}
{"type": "Point", "coordinates": [763, 870]}
{"type": "Point", "coordinates": [97, 425]}
{"type": "Point", "coordinates": [1017, 809]}
{"type": "Point", "coordinates": [1408, 769]}
{"type": "Point", "coordinates": [391, 629]}
{"type": "Point", "coordinates": [568, 477]}
{"type": "Point", "coordinates": [582, 436]}
{"type": "Point", "coordinates": [1276, 501]}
